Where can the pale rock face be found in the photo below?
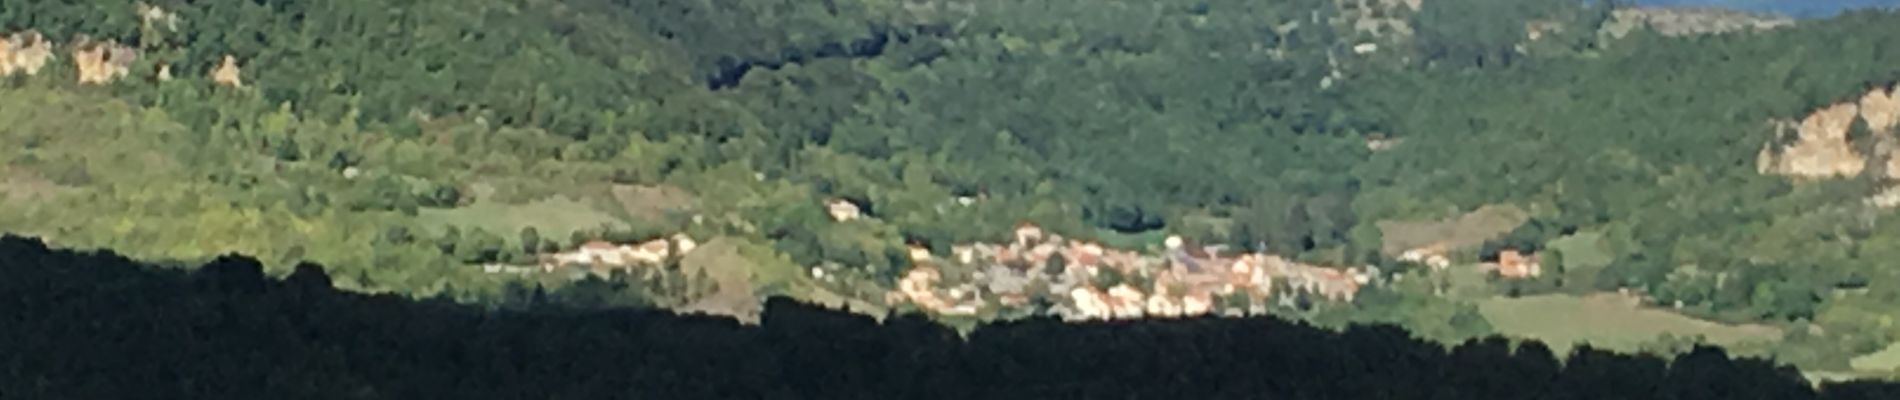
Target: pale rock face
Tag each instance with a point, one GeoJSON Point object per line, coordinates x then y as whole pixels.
{"type": "Point", "coordinates": [1382, 18]}
{"type": "Point", "coordinates": [155, 17]}
{"type": "Point", "coordinates": [1885, 199]}
{"type": "Point", "coordinates": [102, 62]}
{"type": "Point", "coordinates": [1821, 148]}
{"type": "Point", "coordinates": [24, 53]}
{"type": "Point", "coordinates": [1675, 21]}
{"type": "Point", "coordinates": [1881, 109]}
{"type": "Point", "coordinates": [227, 73]}
{"type": "Point", "coordinates": [6, 56]}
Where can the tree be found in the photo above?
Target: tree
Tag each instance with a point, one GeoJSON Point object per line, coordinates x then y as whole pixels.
{"type": "Point", "coordinates": [451, 238]}
{"type": "Point", "coordinates": [530, 240]}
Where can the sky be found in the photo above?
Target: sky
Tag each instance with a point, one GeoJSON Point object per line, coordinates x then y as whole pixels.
{"type": "Point", "coordinates": [1798, 8]}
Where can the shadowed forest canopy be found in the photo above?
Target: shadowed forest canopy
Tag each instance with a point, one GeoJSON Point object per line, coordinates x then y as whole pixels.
{"type": "Point", "coordinates": [79, 316]}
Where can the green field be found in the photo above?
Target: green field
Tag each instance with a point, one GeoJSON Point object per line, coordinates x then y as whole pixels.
{"type": "Point", "coordinates": [556, 217]}
{"type": "Point", "coordinates": [1885, 360]}
{"type": "Point", "coordinates": [1583, 250]}
{"type": "Point", "coordinates": [1606, 321]}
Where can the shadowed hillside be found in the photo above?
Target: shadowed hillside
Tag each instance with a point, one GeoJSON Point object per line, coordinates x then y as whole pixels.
{"type": "Point", "coordinates": [96, 325]}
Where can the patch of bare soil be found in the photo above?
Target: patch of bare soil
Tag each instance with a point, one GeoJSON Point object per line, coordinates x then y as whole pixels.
{"type": "Point", "coordinates": [1464, 231]}
{"type": "Point", "coordinates": [653, 202]}
{"type": "Point", "coordinates": [18, 186]}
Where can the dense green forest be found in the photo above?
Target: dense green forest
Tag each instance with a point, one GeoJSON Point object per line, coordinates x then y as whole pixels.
{"type": "Point", "coordinates": [362, 122]}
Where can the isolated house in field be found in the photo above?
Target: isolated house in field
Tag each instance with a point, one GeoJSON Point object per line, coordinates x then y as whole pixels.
{"type": "Point", "coordinates": [842, 210]}
{"type": "Point", "coordinates": [1514, 265]}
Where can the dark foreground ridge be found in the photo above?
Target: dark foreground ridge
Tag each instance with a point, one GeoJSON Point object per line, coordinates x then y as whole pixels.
{"type": "Point", "coordinates": [96, 325]}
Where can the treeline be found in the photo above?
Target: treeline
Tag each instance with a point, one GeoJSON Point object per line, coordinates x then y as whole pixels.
{"type": "Point", "coordinates": [93, 325]}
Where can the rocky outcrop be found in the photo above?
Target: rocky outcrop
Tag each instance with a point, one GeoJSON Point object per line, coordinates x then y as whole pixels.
{"type": "Point", "coordinates": [102, 62]}
{"type": "Point", "coordinates": [1819, 147]}
{"type": "Point", "coordinates": [227, 73]}
{"type": "Point", "coordinates": [1676, 21]}
{"type": "Point", "coordinates": [1378, 18]}
{"type": "Point", "coordinates": [154, 17]}
{"type": "Point", "coordinates": [1824, 145]}
{"type": "Point", "coordinates": [1881, 110]}
{"type": "Point", "coordinates": [24, 53]}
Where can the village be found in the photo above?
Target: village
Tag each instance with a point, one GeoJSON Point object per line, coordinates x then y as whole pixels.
{"type": "Point", "coordinates": [1034, 272]}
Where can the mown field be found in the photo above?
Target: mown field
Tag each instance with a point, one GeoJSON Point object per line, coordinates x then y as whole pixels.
{"type": "Point", "coordinates": [1607, 321]}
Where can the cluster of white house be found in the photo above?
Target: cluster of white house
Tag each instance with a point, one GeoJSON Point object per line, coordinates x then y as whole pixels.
{"type": "Point", "coordinates": [1510, 263]}
{"type": "Point", "coordinates": [601, 257]}
{"type": "Point", "coordinates": [1075, 279]}
{"type": "Point", "coordinates": [1184, 280]}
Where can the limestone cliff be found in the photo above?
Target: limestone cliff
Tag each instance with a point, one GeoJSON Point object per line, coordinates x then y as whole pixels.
{"type": "Point", "coordinates": [1821, 144]}
{"type": "Point", "coordinates": [24, 53]}
{"type": "Point", "coordinates": [1674, 21]}
{"type": "Point", "coordinates": [1378, 18]}
{"type": "Point", "coordinates": [101, 62]}
{"type": "Point", "coordinates": [227, 72]}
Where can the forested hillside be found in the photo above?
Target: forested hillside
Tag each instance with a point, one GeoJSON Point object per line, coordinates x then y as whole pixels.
{"type": "Point", "coordinates": [408, 144]}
